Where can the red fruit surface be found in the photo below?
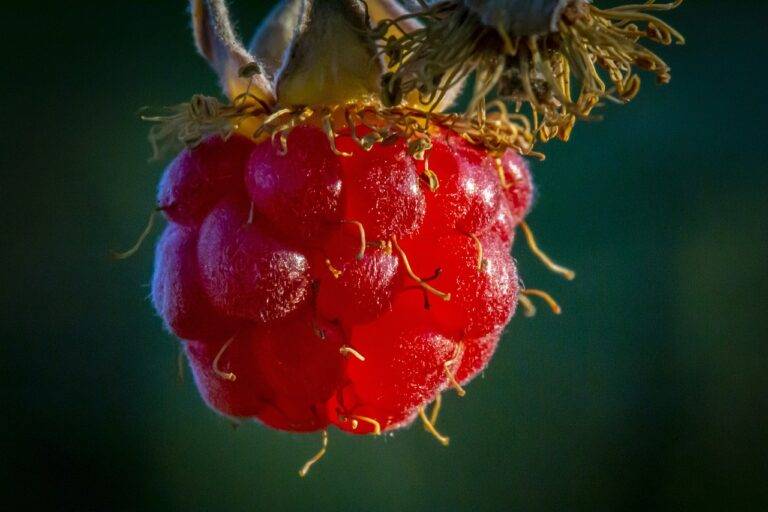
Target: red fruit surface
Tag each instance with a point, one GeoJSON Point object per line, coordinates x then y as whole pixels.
{"type": "Point", "coordinates": [265, 271]}
{"type": "Point", "coordinates": [404, 368]}
{"type": "Point", "coordinates": [282, 375]}
{"type": "Point", "coordinates": [382, 189]}
{"type": "Point", "coordinates": [518, 190]}
{"type": "Point", "coordinates": [476, 354]}
{"type": "Point", "coordinates": [176, 291]}
{"type": "Point", "coordinates": [483, 293]}
{"type": "Point", "coordinates": [468, 194]}
{"type": "Point", "coordinates": [301, 195]}
{"type": "Point", "coordinates": [197, 178]}
{"type": "Point", "coordinates": [362, 292]}
{"type": "Point", "coordinates": [504, 224]}
{"type": "Point", "coordinates": [247, 273]}
{"type": "Point", "coordinates": [300, 359]}
{"type": "Point", "coordinates": [248, 395]}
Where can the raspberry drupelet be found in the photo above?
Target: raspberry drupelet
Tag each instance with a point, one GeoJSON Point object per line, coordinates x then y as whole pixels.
{"type": "Point", "coordinates": [338, 247]}
{"type": "Point", "coordinates": [313, 288]}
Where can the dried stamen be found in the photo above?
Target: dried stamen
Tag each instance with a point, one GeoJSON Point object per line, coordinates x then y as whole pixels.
{"type": "Point", "coordinates": [412, 275]}
{"type": "Point", "coordinates": [450, 372]}
{"type": "Point", "coordinates": [189, 123]}
{"type": "Point", "coordinates": [315, 458]}
{"type": "Point", "coordinates": [502, 174]}
{"type": "Point", "coordinates": [334, 271]}
{"type": "Point", "coordinates": [222, 374]}
{"type": "Point", "coordinates": [436, 409]}
{"type": "Point", "coordinates": [361, 231]}
{"type": "Point", "coordinates": [430, 178]}
{"type": "Point", "coordinates": [546, 260]}
{"type": "Point", "coordinates": [429, 427]}
{"type": "Point", "coordinates": [329, 132]}
{"type": "Point", "coordinates": [534, 60]}
{"type": "Point", "coordinates": [365, 419]}
{"type": "Point", "coordinates": [553, 305]}
{"type": "Point", "coordinates": [143, 236]}
{"type": "Point", "coordinates": [346, 350]}
{"type": "Point", "coordinates": [529, 308]}
{"type": "Point", "coordinates": [481, 262]}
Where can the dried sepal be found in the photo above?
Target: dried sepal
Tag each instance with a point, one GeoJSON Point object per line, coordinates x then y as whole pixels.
{"type": "Point", "coordinates": [216, 41]}
{"type": "Point", "coordinates": [274, 36]}
{"type": "Point", "coordinates": [332, 60]}
{"type": "Point", "coordinates": [531, 54]}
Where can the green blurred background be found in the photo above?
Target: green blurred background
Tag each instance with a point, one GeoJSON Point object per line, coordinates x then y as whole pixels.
{"type": "Point", "coordinates": [648, 393]}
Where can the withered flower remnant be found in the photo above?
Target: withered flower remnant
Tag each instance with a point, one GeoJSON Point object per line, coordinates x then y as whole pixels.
{"type": "Point", "coordinates": [558, 57]}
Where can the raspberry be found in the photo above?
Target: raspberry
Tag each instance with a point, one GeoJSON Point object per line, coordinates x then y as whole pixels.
{"type": "Point", "coordinates": [328, 287]}
{"type": "Point", "coordinates": [176, 290]}
{"type": "Point", "coordinates": [517, 184]}
{"type": "Point", "coordinates": [483, 285]}
{"type": "Point", "coordinates": [199, 177]}
{"type": "Point", "coordinates": [301, 195]}
{"type": "Point", "coordinates": [346, 258]}
{"type": "Point", "coordinates": [247, 273]}
{"type": "Point", "coordinates": [382, 188]}
{"type": "Point", "coordinates": [468, 194]}
{"type": "Point", "coordinates": [403, 369]}
{"type": "Point", "coordinates": [476, 355]}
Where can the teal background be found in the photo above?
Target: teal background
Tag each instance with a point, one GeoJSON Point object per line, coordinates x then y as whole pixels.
{"type": "Point", "coordinates": [648, 393]}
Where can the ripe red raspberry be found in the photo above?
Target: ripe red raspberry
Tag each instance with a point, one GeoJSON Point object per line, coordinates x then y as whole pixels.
{"type": "Point", "coordinates": [198, 178]}
{"type": "Point", "coordinates": [176, 290]}
{"type": "Point", "coordinates": [246, 272]}
{"type": "Point", "coordinates": [316, 288]}
{"type": "Point", "coordinates": [403, 370]}
{"type": "Point", "coordinates": [468, 194]}
{"type": "Point", "coordinates": [516, 183]}
{"type": "Point", "coordinates": [301, 195]}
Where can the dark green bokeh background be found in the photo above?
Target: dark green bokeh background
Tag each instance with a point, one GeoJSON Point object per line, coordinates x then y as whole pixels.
{"type": "Point", "coordinates": [648, 393]}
